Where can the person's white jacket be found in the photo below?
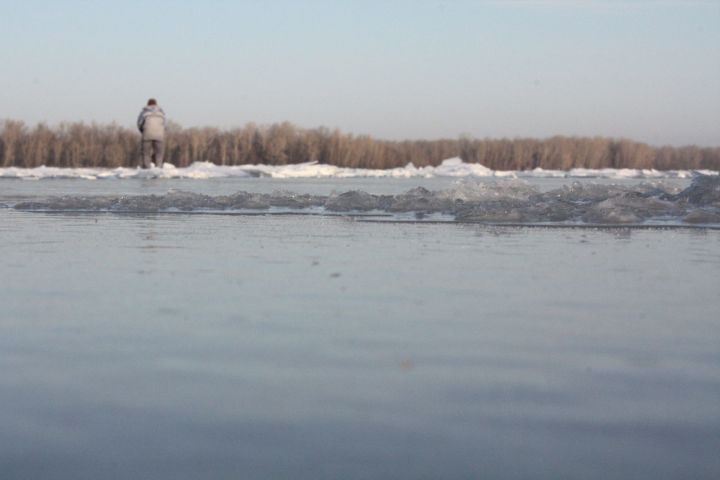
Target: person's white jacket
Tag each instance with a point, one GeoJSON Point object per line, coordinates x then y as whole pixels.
{"type": "Point", "coordinates": [151, 122]}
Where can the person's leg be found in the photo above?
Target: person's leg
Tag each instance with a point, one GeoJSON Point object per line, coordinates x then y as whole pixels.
{"type": "Point", "coordinates": [159, 152]}
{"type": "Point", "coordinates": [146, 153]}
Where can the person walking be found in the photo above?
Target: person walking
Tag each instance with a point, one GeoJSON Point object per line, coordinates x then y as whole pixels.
{"type": "Point", "coordinates": [151, 123]}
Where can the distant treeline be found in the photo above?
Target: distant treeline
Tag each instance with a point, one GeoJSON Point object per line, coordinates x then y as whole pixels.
{"type": "Point", "coordinates": [81, 145]}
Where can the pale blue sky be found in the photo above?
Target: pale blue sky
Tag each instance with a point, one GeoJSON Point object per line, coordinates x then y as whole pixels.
{"type": "Point", "coordinates": [648, 70]}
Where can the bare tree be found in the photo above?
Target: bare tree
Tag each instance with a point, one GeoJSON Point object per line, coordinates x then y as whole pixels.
{"type": "Point", "coordinates": [110, 146]}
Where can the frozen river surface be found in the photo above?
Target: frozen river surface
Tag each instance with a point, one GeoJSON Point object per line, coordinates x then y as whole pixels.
{"type": "Point", "coordinates": [223, 346]}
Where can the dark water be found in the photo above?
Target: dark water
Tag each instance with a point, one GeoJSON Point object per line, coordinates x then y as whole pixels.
{"type": "Point", "coordinates": [312, 347]}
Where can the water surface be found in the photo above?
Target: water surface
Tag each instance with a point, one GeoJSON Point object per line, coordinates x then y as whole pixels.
{"type": "Point", "coordinates": [285, 346]}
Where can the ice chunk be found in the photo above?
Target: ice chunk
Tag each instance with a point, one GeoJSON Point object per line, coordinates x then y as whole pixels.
{"type": "Point", "coordinates": [495, 202]}
{"type": "Point", "coordinates": [704, 190]}
{"type": "Point", "coordinates": [356, 200]}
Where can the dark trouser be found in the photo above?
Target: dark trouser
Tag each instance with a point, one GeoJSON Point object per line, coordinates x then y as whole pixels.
{"type": "Point", "coordinates": [152, 152]}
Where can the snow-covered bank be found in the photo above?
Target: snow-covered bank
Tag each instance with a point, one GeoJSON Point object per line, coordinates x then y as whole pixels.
{"type": "Point", "coordinates": [453, 167]}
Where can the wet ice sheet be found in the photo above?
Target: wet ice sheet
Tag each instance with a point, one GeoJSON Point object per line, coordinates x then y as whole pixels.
{"type": "Point", "coordinates": [188, 346]}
